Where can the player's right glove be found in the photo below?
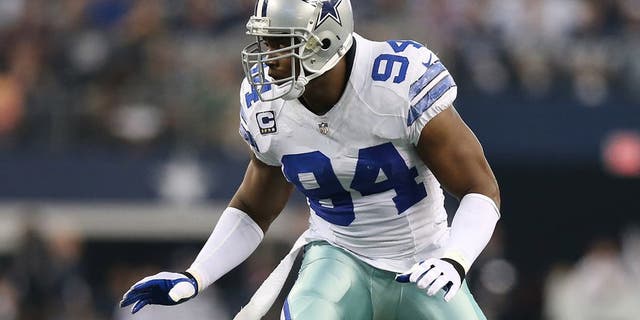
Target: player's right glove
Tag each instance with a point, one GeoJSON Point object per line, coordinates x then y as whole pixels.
{"type": "Point", "coordinates": [164, 288]}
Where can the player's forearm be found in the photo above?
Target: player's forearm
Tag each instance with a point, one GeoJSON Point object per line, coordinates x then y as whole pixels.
{"type": "Point", "coordinates": [258, 215]}
{"type": "Point", "coordinates": [263, 194]}
{"type": "Point", "coordinates": [487, 187]}
{"type": "Point", "coordinates": [234, 238]}
{"type": "Point", "coordinates": [471, 229]}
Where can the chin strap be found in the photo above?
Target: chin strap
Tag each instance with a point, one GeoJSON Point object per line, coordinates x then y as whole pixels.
{"type": "Point", "coordinates": [297, 88]}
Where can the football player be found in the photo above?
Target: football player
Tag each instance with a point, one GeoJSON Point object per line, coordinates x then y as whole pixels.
{"type": "Point", "coordinates": [368, 133]}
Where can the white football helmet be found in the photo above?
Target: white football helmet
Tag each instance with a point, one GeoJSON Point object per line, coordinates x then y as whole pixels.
{"type": "Point", "coordinates": [321, 32]}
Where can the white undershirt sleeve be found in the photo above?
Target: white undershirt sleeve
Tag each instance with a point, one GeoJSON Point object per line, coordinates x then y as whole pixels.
{"type": "Point", "coordinates": [233, 239]}
{"type": "Point", "coordinates": [471, 229]}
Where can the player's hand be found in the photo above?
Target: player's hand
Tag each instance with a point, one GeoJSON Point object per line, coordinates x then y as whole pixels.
{"type": "Point", "coordinates": [165, 288]}
{"type": "Point", "coordinates": [433, 275]}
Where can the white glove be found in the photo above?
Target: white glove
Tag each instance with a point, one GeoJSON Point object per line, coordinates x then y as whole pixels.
{"type": "Point", "coordinates": [433, 275]}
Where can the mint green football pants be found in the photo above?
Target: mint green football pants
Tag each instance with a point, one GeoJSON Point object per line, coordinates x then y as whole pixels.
{"type": "Point", "coordinates": [333, 284]}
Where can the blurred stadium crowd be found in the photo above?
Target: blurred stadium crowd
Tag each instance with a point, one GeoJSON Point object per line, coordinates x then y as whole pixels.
{"type": "Point", "coordinates": [116, 72]}
{"type": "Point", "coordinates": [132, 76]}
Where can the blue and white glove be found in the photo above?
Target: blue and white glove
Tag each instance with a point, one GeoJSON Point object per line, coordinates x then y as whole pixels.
{"type": "Point", "coordinates": [164, 288]}
{"type": "Point", "coordinates": [434, 275]}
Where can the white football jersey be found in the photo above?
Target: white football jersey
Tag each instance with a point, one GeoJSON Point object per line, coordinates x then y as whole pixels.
{"type": "Point", "coordinates": [367, 188]}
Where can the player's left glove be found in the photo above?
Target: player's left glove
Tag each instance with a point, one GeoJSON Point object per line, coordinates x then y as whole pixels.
{"type": "Point", "coordinates": [471, 229]}
{"type": "Point", "coordinates": [165, 288]}
{"type": "Point", "coordinates": [434, 275]}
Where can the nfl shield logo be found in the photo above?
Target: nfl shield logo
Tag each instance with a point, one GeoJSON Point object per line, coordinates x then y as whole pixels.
{"type": "Point", "coordinates": [324, 127]}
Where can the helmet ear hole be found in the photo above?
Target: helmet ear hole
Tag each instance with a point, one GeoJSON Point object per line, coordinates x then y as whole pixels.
{"type": "Point", "coordinates": [326, 43]}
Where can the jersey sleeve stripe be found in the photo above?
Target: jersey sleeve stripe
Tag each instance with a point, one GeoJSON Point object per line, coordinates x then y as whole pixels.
{"type": "Point", "coordinates": [246, 135]}
{"type": "Point", "coordinates": [432, 72]}
{"type": "Point", "coordinates": [429, 99]}
{"type": "Point", "coordinates": [243, 119]}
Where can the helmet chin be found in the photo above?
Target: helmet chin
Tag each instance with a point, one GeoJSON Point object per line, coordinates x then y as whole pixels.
{"type": "Point", "coordinates": [297, 89]}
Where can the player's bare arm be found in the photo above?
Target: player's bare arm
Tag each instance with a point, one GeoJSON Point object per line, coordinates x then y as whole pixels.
{"type": "Point", "coordinates": [263, 193]}
{"type": "Point", "coordinates": [454, 155]}
{"type": "Point", "coordinates": [452, 152]}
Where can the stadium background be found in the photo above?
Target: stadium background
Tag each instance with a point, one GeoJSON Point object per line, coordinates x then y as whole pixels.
{"type": "Point", "coordinates": [119, 149]}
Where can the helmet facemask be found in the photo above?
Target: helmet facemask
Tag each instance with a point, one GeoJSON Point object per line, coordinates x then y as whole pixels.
{"type": "Point", "coordinates": [255, 57]}
{"type": "Point", "coordinates": [312, 49]}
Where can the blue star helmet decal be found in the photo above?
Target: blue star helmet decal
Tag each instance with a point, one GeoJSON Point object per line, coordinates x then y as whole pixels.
{"type": "Point", "coordinates": [329, 9]}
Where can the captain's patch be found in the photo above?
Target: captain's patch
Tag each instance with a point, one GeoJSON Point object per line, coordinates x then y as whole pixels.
{"type": "Point", "coordinates": [266, 122]}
